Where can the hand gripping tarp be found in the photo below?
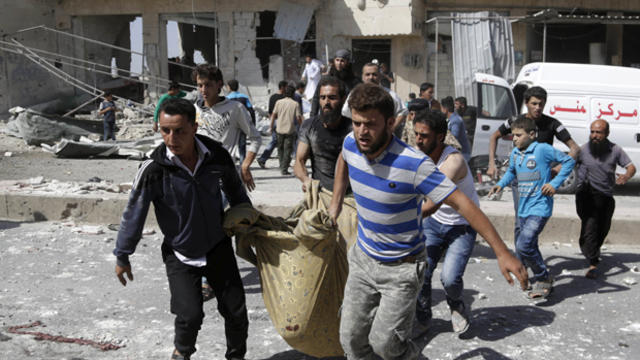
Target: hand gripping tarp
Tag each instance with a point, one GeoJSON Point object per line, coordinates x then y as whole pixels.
{"type": "Point", "coordinates": [302, 261]}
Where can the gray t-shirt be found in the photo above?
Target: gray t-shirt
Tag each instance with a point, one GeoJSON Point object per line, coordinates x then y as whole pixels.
{"type": "Point", "coordinates": [599, 173]}
{"type": "Point", "coordinates": [325, 146]}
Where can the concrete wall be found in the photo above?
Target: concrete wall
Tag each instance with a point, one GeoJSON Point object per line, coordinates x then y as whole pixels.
{"type": "Point", "coordinates": [21, 81]}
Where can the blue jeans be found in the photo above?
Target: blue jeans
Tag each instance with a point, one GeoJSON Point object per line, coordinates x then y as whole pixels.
{"type": "Point", "coordinates": [527, 249]}
{"type": "Point", "coordinates": [266, 154]}
{"type": "Point", "coordinates": [109, 130]}
{"type": "Point", "coordinates": [456, 243]}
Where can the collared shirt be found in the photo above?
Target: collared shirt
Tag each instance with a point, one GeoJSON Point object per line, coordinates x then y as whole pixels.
{"type": "Point", "coordinates": [389, 191]}
{"type": "Point", "coordinates": [202, 153]}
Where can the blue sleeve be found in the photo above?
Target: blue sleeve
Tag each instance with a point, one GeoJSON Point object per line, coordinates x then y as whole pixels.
{"type": "Point", "coordinates": [509, 175]}
{"type": "Point", "coordinates": [457, 130]}
{"type": "Point", "coordinates": [567, 162]}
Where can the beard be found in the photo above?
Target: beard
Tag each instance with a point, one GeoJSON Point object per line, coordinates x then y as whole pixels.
{"type": "Point", "coordinates": [428, 150]}
{"type": "Point", "coordinates": [332, 117]}
{"type": "Point", "coordinates": [599, 149]}
{"type": "Point", "coordinates": [376, 145]}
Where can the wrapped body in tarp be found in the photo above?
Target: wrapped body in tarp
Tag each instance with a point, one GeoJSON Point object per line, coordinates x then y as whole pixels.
{"type": "Point", "coordinates": [302, 261]}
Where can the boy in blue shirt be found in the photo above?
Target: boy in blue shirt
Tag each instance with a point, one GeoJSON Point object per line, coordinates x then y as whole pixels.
{"type": "Point", "coordinates": [530, 162]}
{"type": "Point", "coordinates": [108, 110]}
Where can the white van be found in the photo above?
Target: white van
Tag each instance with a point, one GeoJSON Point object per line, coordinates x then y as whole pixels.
{"type": "Point", "coordinates": [577, 94]}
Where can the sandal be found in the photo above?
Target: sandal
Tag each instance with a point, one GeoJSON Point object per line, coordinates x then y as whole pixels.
{"type": "Point", "coordinates": [541, 289]}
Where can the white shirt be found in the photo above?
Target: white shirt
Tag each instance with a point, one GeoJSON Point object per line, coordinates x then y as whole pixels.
{"type": "Point", "coordinates": [202, 152]}
{"type": "Point", "coordinates": [398, 104]}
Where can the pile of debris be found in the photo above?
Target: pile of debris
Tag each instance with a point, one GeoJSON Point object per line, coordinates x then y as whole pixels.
{"type": "Point", "coordinates": [40, 185]}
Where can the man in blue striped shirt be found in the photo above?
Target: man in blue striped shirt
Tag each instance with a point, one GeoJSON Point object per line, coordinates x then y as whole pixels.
{"type": "Point", "coordinates": [389, 180]}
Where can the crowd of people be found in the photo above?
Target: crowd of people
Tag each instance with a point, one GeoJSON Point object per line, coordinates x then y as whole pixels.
{"type": "Point", "coordinates": [414, 193]}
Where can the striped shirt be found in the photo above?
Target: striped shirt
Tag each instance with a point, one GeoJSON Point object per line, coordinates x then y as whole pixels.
{"type": "Point", "coordinates": [389, 191]}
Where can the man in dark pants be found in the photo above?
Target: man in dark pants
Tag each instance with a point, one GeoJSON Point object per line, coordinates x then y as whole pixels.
{"type": "Point", "coordinates": [184, 179]}
{"type": "Point", "coordinates": [266, 154]}
{"type": "Point", "coordinates": [594, 199]}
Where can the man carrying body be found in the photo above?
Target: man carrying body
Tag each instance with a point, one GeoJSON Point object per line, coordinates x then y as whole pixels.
{"type": "Point", "coordinates": [371, 74]}
{"type": "Point", "coordinates": [321, 136]}
{"type": "Point", "coordinates": [342, 69]}
{"type": "Point", "coordinates": [289, 116]}
{"type": "Point", "coordinates": [469, 117]}
{"type": "Point", "coordinates": [266, 153]}
{"type": "Point", "coordinates": [447, 233]}
{"type": "Point", "coordinates": [594, 199]}
{"type": "Point", "coordinates": [547, 128]}
{"type": "Point", "coordinates": [386, 267]}
{"type": "Point", "coordinates": [225, 120]}
{"type": "Point", "coordinates": [184, 180]}
{"type": "Point", "coordinates": [312, 72]}
{"type": "Point", "coordinates": [427, 92]}
{"type": "Point", "coordinates": [456, 126]}
{"type": "Point", "coordinates": [174, 92]}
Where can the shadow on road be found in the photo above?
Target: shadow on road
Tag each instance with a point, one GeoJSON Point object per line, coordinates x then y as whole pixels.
{"type": "Point", "coordinates": [483, 353]}
{"type": "Point", "coordinates": [6, 225]}
{"type": "Point", "coordinates": [612, 264]}
{"type": "Point", "coordinates": [296, 355]}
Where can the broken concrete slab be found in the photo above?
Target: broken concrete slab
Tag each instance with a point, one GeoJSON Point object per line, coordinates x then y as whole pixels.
{"type": "Point", "coordinates": [36, 129]}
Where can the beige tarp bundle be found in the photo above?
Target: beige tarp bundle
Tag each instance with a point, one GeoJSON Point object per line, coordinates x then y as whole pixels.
{"type": "Point", "coordinates": [303, 267]}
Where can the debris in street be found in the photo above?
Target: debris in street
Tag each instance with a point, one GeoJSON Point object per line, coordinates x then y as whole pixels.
{"type": "Point", "coordinates": [104, 346]}
{"type": "Point", "coordinates": [40, 185]}
{"type": "Point", "coordinates": [629, 281]}
{"type": "Point", "coordinates": [8, 154]}
{"type": "Point", "coordinates": [36, 129]}
{"type": "Point", "coordinates": [89, 229]}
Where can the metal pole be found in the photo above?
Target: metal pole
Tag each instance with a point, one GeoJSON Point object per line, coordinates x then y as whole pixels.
{"type": "Point", "coordinates": [544, 43]}
{"type": "Point", "coordinates": [435, 86]}
{"type": "Point", "coordinates": [81, 106]}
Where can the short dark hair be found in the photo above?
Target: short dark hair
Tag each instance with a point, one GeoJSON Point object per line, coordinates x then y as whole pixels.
{"type": "Point", "coordinates": [282, 84]}
{"type": "Point", "coordinates": [207, 71]}
{"type": "Point", "coordinates": [233, 84]}
{"type": "Point", "coordinates": [335, 82]}
{"type": "Point", "coordinates": [371, 64]}
{"type": "Point", "coordinates": [447, 103]}
{"type": "Point", "coordinates": [434, 119]}
{"type": "Point", "coordinates": [462, 100]}
{"type": "Point", "coordinates": [174, 86]}
{"type": "Point", "coordinates": [524, 123]}
{"type": "Point", "coordinates": [107, 93]}
{"type": "Point", "coordinates": [425, 86]}
{"type": "Point", "coordinates": [289, 91]}
{"type": "Point", "coordinates": [300, 85]}
{"type": "Point", "coordinates": [367, 96]}
{"type": "Point", "coordinates": [535, 91]}
{"type": "Point", "coordinates": [412, 95]}
{"type": "Point", "coordinates": [179, 106]}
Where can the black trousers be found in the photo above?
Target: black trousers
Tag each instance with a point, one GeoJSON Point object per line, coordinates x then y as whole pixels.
{"type": "Point", "coordinates": [185, 284]}
{"type": "Point", "coordinates": [595, 211]}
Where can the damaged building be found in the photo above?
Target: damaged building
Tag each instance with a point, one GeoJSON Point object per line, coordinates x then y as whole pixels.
{"type": "Point", "coordinates": [54, 51]}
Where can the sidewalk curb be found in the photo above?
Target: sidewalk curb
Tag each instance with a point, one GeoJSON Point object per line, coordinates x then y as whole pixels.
{"type": "Point", "coordinates": [561, 228]}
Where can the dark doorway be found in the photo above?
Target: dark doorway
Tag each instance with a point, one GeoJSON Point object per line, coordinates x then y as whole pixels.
{"type": "Point", "coordinates": [567, 42]}
{"type": "Point", "coordinates": [266, 44]}
{"type": "Point", "coordinates": [366, 50]}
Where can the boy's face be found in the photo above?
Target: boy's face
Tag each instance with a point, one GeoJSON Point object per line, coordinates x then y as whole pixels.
{"type": "Point", "coordinates": [534, 107]}
{"type": "Point", "coordinates": [522, 139]}
{"type": "Point", "coordinates": [209, 89]}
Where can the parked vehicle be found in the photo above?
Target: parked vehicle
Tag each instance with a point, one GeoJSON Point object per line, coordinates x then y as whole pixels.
{"type": "Point", "coordinates": [577, 94]}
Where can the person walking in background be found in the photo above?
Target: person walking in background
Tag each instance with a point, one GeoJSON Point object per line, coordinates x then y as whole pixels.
{"type": "Point", "coordinates": [469, 117]}
{"type": "Point", "coordinates": [530, 162]}
{"type": "Point", "coordinates": [427, 92]}
{"type": "Point", "coordinates": [236, 95]}
{"type": "Point", "coordinates": [312, 73]}
{"type": "Point", "coordinates": [456, 126]}
{"type": "Point", "coordinates": [287, 112]}
{"type": "Point", "coordinates": [386, 76]}
{"type": "Point", "coordinates": [597, 176]}
{"type": "Point", "coordinates": [266, 153]}
{"type": "Point", "coordinates": [174, 92]}
{"type": "Point", "coordinates": [343, 70]}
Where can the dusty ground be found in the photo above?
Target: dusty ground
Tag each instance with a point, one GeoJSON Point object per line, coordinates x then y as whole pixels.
{"type": "Point", "coordinates": [65, 280]}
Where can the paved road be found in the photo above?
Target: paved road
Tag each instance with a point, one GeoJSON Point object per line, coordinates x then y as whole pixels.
{"type": "Point", "coordinates": [65, 280]}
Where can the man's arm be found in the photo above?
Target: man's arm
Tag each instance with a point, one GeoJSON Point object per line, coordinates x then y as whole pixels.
{"type": "Point", "coordinates": [492, 171]}
{"type": "Point", "coordinates": [566, 165]}
{"type": "Point", "coordinates": [479, 222]}
{"type": "Point", "coordinates": [622, 179]}
{"type": "Point", "coordinates": [453, 167]}
{"type": "Point", "coordinates": [340, 184]}
{"type": "Point", "coordinates": [574, 149]}
{"type": "Point", "coordinates": [299, 168]}
{"type": "Point", "coordinates": [253, 145]}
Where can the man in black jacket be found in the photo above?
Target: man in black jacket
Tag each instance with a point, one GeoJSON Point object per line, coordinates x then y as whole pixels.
{"type": "Point", "coordinates": [184, 179]}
